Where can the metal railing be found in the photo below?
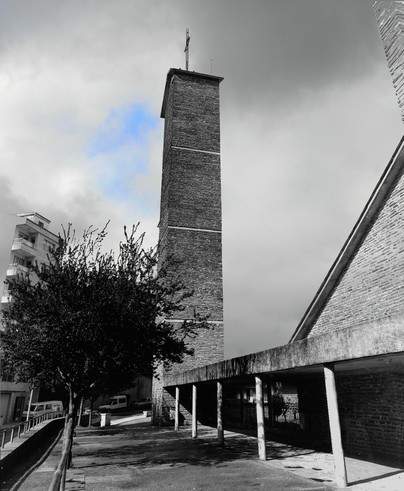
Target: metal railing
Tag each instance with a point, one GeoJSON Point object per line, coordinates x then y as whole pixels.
{"type": "Point", "coordinates": [9, 434]}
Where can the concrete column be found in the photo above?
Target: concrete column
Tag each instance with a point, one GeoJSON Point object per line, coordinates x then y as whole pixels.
{"type": "Point", "coordinates": [177, 408]}
{"type": "Point", "coordinates": [259, 403]}
{"type": "Point", "coordinates": [335, 428]}
{"type": "Point", "coordinates": [29, 404]}
{"type": "Point", "coordinates": [220, 433]}
{"type": "Point", "coordinates": [194, 421]}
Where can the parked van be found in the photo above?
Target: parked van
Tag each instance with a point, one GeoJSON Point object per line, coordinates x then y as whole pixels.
{"type": "Point", "coordinates": [39, 408]}
{"type": "Point", "coordinates": [116, 403]}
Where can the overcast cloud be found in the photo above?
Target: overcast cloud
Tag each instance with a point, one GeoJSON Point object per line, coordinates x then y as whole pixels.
{"type": "Point", "coordinates": [309, 121]}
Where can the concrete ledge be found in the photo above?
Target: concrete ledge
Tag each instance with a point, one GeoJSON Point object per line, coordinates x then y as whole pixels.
{"type": "Point", "coordinates": [379, 338]}
{"type": "Point", "coordinates": [14, 453]}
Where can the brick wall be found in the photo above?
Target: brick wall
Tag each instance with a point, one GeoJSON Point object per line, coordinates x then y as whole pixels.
{"type": "Point", "coordinates": [191, 194]}
{"type": "Point", "coordinates": [371, 288]}
{"type": "Point", "coordinates": [190, 212]}
{"type": "Point", "coordinates": [389, 16]}
{"type": "Point", "coordinates": [371, 409]}
{"type": "Point", "coordinates": [195, 112]}
{"type": "Point", "coordinates": [200, 268]}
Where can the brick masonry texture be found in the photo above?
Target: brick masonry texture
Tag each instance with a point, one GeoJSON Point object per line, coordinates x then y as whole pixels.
{"type": "Point", "coordinates": [390, 18]}
{"type": "Point", "coordinates": [371, 288]}
{"type": "Point", "coordinates": [191, 191]}
{"type": "Point", "coordinates": [195, 113]}
{"type": "Point", "coordinates": [208, 345]}
{"type": "Point", "coordinates": [371, 409]}
{"type": "Point", "coordinates": [200, 263]}
{"type": "Point", "coordinates": [191, 198]}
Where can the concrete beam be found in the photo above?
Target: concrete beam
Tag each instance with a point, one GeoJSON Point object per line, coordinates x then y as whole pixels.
{"type": "Point", "coordinates": [335, 428]}
{"type": "Point", "coordinates": [378, 338]}
{"type": "Point", "coordinates": [259, 404]}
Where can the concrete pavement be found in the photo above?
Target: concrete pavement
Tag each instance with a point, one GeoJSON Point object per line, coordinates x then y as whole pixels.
{"type": "Point", "coordinates": [138, 456]}
{"type": "Point", "coordinates": [145, 458]}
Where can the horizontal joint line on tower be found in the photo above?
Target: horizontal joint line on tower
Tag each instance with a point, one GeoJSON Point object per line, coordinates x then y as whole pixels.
{"type": "Point", "coordinates": [196, 229]}
{"type": "Point", "coordinates": [183, 320]}
{"type": "Point", "coordinates": [194, 150]}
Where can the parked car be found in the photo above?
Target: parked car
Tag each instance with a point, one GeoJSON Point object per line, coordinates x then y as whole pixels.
{"type": "Point", "coordinates": [116, 403]}
{"type": "Point", "coordinates": [42, 407]}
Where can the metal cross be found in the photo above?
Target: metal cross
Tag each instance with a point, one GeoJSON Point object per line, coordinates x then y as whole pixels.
{"type": "Point", "coordinates": [186, 50]}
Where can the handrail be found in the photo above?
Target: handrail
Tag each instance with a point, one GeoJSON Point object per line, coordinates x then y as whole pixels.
{"type": "Point", "coordinates": [15, 431]}
{"type": "Point", "coordinates": [59, 476]}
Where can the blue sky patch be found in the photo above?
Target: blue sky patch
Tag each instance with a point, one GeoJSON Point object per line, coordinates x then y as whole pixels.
{"type": "Point", "coordinates": [121, 150]}
{"type": "Point", "coordinates": [122, 126]}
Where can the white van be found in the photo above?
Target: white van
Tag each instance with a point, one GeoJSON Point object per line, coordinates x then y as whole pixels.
{"type": "Point", "coordinates": [43, 407]}
{"type": "Point", "coordinates": [115, 403]}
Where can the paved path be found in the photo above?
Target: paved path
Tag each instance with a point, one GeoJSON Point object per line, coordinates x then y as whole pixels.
{"type": "Point", "coordinates": [144, 458]}
{"type": "Point", "coordinates": [141, 457]}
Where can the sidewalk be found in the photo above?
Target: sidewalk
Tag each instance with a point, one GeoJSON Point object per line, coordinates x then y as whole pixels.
{"type": "Point", "coordinates": [138, 456]}
{"type": "Point", "coordinates": [145, 458]}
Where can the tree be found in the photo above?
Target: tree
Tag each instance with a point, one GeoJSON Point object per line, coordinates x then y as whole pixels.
{"type": "Point", "coordinates": [91, 320]}
{"type": "Point", "coordinates": [279, 405]}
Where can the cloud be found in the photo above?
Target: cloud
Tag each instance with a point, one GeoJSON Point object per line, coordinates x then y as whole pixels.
{"type": "Point", "coordinates": [309, 120]}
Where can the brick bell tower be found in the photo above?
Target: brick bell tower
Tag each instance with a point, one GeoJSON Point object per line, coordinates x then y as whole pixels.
{"type": "Point", "coordinates": [190, 212]}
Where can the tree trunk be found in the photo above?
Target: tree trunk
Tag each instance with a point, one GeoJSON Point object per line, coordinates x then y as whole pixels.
{"type": "Point", "coordinates": [58, 479]}
{"type": "Point", "coordinates": [72, 432]}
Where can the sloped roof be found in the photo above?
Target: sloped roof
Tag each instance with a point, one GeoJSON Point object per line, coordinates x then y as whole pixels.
{"type": "Point", "coordinates": [353, 242]}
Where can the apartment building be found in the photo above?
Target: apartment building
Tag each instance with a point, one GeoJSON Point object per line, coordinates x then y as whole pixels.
{"type": "Point", "coordinates": [31, 244]}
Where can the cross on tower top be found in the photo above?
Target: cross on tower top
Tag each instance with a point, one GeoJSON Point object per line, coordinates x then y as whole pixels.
{"type": "Point", "coordinates": [186, 50]}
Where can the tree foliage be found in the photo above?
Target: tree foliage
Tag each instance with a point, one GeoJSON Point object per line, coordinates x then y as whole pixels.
{"type": "Point", "coordinates": [92, 320]}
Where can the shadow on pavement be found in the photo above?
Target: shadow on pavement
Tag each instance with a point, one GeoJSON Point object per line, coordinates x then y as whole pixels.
{"type": "Point", "coordinates": [147, 446]}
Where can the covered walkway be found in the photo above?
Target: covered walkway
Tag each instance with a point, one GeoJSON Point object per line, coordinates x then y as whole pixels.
{"type": "Point", "coordinates": [333, 414]}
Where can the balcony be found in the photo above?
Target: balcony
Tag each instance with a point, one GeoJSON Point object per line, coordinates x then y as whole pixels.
{"type": "Point", "coordinates": [14, 269]}
{"type": "Point", "coordinates": [23, 246]}
{"type": "Point", "coordinates": [5, 299]}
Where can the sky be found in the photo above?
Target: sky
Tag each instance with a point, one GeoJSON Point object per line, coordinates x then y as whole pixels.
{"type": "Point", "coordinates": [309, 120]}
